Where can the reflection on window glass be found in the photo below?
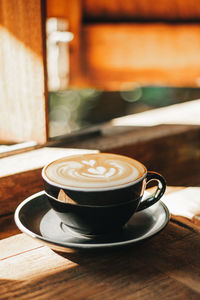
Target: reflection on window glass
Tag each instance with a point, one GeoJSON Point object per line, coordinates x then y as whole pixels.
{"type": "Point", "coordinates": [73, 110]}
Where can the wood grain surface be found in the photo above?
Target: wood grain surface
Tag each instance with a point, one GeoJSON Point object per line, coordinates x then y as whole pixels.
{"type": "Point", "coordinates": [23, 114]}
{"type": "Point", "coordinates": [166, 266]}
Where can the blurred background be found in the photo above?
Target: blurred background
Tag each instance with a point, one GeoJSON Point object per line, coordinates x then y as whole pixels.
{"type": "Point", "coordinates": [66, 65]}
{"type": "Point", "coordinates": [108, 59]}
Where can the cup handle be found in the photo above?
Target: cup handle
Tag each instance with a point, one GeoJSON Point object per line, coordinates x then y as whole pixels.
{"type": "Point", "coordinates": [152, 199]}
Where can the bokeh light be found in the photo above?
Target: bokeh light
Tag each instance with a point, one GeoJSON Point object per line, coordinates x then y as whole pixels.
{"type": "Point", "coordinates": [131, 92]}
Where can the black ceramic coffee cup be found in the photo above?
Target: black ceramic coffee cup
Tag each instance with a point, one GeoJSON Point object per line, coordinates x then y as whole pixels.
{"type": "Point", "coordinates": [98, 193]}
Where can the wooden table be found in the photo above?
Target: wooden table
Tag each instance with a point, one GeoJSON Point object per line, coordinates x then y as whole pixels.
{"type": "Point", "coordinates": [167, 266]}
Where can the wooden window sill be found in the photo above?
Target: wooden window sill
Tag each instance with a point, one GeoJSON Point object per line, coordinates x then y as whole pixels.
{"type": "Point", "coordinates": [169, 143]}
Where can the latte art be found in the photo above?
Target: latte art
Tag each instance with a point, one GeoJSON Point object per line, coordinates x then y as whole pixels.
{"type": "Point", "coordinates": [94, 171]}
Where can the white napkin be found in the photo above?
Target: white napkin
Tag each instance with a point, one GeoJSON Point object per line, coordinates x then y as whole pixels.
{"type": "Point", "coordinates": [184, 203]}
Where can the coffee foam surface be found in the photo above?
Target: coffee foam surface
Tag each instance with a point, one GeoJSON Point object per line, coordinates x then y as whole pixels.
{"type": "Point", "coordinates": [93, 171]}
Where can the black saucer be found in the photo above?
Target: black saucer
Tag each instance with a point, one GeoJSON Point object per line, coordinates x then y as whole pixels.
{"type": "Point", "coordinates": [35, 217]}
